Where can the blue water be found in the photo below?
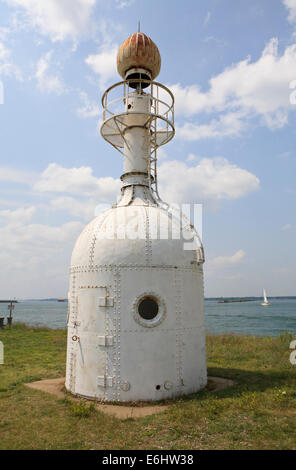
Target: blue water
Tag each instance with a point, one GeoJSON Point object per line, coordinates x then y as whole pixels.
{"type": "Point", "coordinates": [251, 318]}
{"type": "Point", "coordinates": [245, 318]}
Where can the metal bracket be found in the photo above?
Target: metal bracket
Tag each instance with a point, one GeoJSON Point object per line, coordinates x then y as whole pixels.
{"type": "Point", "coordinates": [105, 381]}
{"type": "Point", "coordinates": [106, 302]}
{"type": "Point", "coordinates": [105, 340]}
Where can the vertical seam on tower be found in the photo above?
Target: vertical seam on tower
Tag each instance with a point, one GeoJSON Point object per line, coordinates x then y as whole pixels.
{"type": "Point", "coordinates": [73, 317]}
{"type": "Point", "coordinates": [117, 331]}
{"type": "Point", "coordinates": [148, 241]}
{"type": "Point", "coordinates": [114, 333]}
{"type": "Point", "coordinates": [73, 298]}
{"type": "Point", "coordinates": [106, 330]}
{"type": "Point", "coordinates": [179, 345]}
{"type": "Point", "coordinates": [93, 242]}
{"type": "Point", "coordinates": [147, 201]}
{"type": "Point", "coordinates": [118, 335]}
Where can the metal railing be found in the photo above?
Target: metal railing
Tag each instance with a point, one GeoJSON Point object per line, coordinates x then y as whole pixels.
{"type": "Point", "coordinates": [160, 119]}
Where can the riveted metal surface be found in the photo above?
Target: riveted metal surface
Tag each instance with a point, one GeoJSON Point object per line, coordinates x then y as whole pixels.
{"type": "Point", "coordinates": [179, 343]}
{"type": "Point", "coordinates": [117, 334]}
{"type": "Point", "coordinates": [72, 329]}
{"type": "Point", "coordinates": [172, 278]}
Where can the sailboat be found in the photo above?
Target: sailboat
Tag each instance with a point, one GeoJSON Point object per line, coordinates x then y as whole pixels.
{"type": "Point", "coordinates": [266, 301]}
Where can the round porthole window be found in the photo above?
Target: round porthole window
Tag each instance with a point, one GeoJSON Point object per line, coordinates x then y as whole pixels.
{"type": "Point", "coordinates": [149, 310]}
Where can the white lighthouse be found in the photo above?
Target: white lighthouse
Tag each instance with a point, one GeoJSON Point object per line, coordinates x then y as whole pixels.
{"type": "Point", "coordinates": [136, 328]}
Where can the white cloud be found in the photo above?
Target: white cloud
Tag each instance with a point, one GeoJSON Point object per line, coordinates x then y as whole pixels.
{"type": "Point", "coordinates": [104, 64]}
{"type": "Point", "coordinates": [230, 124]}
{"type": "Point", "coordinates": [16, 176]}
{"type": "Point", "coordinates": [226, 268]}
{"type": "Point", "coordinates": [4, 53]}
{"type": "Point", "coordinates": [37, 258]}
{"type": "Point", "coordinates": [81, 181]}
{"type": "Point", "coordinates": [242, 91]}
{"type": "Point", "coordinates": [291, 6]}
{"type": "Point", "coordinates": [78, 208]}
{"type": "Point", "coordinates": [161, 154]}
{"type": "Point", "coordinates": [17, 216]}
{"type": "Point", "coordinates": [277, 120]}
{"type": "Point", "coordinates": [189, 100]}
{"type": "Point", "coordinates": [4, 32]}
{"type": "Point", "coordinates": [227, 261]}
{"type": "Point", "coordinates": [230, 260]}
{"type": "Point", "coordinates": [47, 82]}
{"type": "Point", "coordinates": [7, 68]}
{"type": "Point", "coordinates": [191, 157]}
{"type": "Point", "coordinates": [58, 19]}
{"type": "Point", "coordinates": [211, 180]}
{"type": "Point", "coordinates": [88, 108]}
{"type": "Point", "coordinates": [124, 3]}
{"type": "Point", "coordinates": [205, 180]}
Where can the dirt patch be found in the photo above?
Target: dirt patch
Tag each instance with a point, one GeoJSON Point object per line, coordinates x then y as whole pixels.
{"type": "Point", "coordinates": [56, 387]}
{"type": "Point", "coordinates": [52, 386]}
{"type": "Point", "coordinates": [218, 383]}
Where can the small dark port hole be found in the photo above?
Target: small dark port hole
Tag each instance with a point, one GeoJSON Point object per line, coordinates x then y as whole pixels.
{"type": "Point", "coordinates": [157, 387]}
{"type": "Point", "coordinates": [129, 106]}
{"type": "Point", "coordinates": [148, 308]}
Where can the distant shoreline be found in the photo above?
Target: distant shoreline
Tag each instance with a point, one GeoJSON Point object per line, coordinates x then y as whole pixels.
{"type": "Point", "coordinates": [249, 299]}
{"type": "Point", "coordinates": [224, 299]}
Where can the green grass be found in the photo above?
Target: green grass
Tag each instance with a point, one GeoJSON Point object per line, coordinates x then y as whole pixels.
{"type": "Point", "coordinates": [259, 412]}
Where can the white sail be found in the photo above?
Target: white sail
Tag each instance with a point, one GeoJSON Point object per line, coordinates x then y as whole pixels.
{"type": "Point", "coordinates": [266, 301]}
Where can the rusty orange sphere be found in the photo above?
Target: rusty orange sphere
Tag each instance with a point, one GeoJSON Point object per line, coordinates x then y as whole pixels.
{"type": "Point", "coordinates": [138, 51]}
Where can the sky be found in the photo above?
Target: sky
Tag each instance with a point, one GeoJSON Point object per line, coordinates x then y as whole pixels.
{"type": "Point", "coordinates": [231, 65]}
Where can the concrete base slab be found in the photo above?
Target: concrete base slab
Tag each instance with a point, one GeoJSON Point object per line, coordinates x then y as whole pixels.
{"type": "Point", "coordinates": [56, 387]}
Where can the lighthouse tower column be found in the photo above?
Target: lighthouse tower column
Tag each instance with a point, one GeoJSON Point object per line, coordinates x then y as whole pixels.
{"type": "Point", "coordinates": [137, 147]}
{"type": "Point", "coordinates": [136, 326]}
